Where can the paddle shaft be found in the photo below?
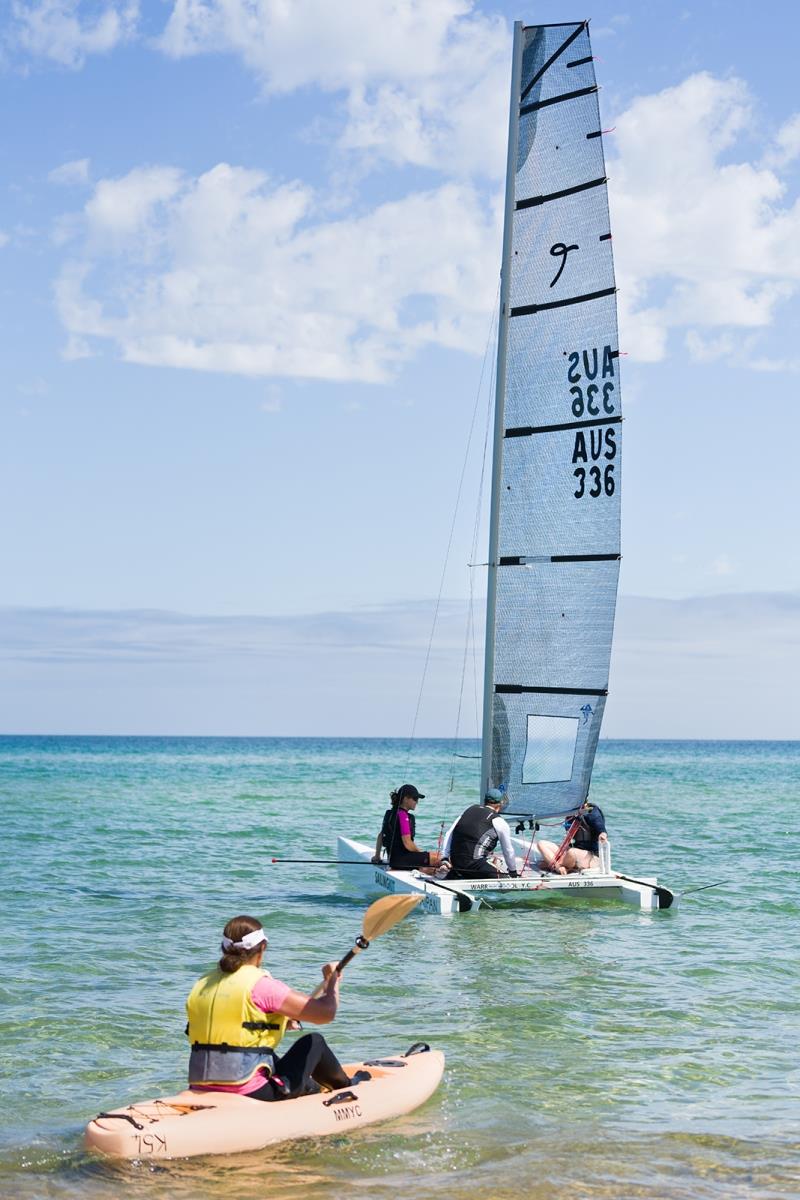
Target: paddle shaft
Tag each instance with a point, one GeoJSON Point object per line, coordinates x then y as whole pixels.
{"type": "Point", "coordinates": [381, 916]}
{"type": "Point", "coordinates": [361, 944]}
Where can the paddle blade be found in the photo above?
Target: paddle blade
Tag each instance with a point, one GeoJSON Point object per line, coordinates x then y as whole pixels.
{"type": "Point", "coordinates": [385, 913]}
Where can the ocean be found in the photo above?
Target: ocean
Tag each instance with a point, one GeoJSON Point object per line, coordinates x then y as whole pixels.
{"type": "Point", "coordinates": [592, 1051]}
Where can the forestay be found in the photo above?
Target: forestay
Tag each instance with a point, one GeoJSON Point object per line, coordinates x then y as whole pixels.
{"type": "Point", "coordinates": [555, 536]}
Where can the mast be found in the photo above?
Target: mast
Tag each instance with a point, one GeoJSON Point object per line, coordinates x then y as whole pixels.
{"type": "Point", "coordinates": [499, 408]}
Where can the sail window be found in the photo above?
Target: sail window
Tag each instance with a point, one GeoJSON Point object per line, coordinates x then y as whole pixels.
{"type": "Point", "coordinates": [549, 749]}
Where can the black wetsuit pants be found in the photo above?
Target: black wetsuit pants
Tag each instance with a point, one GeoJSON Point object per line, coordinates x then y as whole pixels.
{"type": "Point", "coordinates": [309, 1058]}
{"type": "Point", "coordinates": [480, 869]}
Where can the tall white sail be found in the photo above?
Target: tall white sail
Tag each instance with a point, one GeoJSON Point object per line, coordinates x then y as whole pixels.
{"type": "Point", "coordinates": [555, 526]}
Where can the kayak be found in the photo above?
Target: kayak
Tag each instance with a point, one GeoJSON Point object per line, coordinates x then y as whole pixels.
{"type": "Point", "coordinates": [225, 1123]}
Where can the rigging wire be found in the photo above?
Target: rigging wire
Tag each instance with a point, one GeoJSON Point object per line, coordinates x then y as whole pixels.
{"type": "Point", "coordinates": [476, 529]}
{"type": "Point", "coordinates": [469, 639]}
{"type": "Point", "coordinates": [491, 336]}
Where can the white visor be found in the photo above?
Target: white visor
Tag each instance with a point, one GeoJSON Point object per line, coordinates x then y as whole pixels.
{"type": "Point", "coordinates": [248, 942]}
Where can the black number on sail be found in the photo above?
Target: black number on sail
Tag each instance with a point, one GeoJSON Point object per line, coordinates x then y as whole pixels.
{"type": "Point", "coordinates": [560, 250]}
{"type": "Point", "coordinates": [602, 481]}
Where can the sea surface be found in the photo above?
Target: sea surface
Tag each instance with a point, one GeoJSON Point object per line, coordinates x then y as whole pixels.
{"type": "Point", "coordinates": [592, 1051]}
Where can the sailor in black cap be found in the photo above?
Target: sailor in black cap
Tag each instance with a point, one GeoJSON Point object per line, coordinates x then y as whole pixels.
{"type": "Point", "coordinates": [397, 834]}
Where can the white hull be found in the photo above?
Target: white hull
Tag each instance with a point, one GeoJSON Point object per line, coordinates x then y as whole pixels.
{"type": "Point", "coordinates": [444, 897]}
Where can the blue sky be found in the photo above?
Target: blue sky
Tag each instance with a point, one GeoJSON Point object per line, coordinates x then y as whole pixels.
{"type": "Point", "coordinates": [249, 257]}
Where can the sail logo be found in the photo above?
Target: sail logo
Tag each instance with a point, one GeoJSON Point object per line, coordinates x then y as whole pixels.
{"type": "Point", "coordinates": [561, 250]}
{"type": "Point", "coordinates": [587, 711]}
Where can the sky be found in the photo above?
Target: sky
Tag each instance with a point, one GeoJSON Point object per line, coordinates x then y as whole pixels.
{"type": "Point", "coordinates": [249, 255]}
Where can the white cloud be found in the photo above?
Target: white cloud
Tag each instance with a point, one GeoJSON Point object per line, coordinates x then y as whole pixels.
{"type": "Point", "coordinates": [71, 173]}
{"type": "Point", "coordinates": [228, 272]}
{"type": "Point", "coordinates": [774, 364]}
{"type": "Point", "coordinates": [425, 83]}
{"type": "Point", "coordinates": [120, 208]}
{"type": "Point", "coordinates": [329, 46]}
{"type": "Point", "coordinates": [785, 147]}
{"type": "Point", "coordinates": [715, 238]}
{"type": "Point", "coordinates": [4, 239]}
{"type": "Point", "coordinates": [67, 31]}
{"type": "Point", "coordinates": [709, 349]}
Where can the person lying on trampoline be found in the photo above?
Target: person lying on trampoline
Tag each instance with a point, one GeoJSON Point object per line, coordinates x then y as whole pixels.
{"type": "Point", "coordinates": [583, 852]}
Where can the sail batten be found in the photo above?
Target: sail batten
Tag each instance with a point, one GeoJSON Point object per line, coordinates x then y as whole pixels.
{"type": "Point", "coordinates": [530, 430]}
{"type": "Point", "coordinates": [527, 560]}
{"type": "Point", "coordinates": [533, 201]}
{"type": "Point", "coordinates": [524, 310]}
{"type": "Point", "coordinates": [538, 104]}
{"type": "Point", "coordinates": [517, 689]}
{"type": "Point", "coordinates": [555, 554]}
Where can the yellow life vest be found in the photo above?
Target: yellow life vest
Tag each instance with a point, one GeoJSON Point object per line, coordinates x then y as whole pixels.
{"type": "Point", "coordinates": [231, 1039]}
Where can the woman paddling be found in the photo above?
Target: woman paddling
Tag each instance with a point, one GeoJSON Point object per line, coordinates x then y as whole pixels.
{"type": "Point", "coordinates": [397, 834]}
{"type": "Point", "coordinates": [238, 1014]}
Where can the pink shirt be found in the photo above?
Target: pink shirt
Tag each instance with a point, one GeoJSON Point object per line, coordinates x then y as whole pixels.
{"type": "Point", "coordinates": [403, 823]}
{"type": "Point", "coordinates": [268, 995]}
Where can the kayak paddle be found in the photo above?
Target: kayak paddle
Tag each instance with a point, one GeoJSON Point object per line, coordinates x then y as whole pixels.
{"type": "Point", "coordinates": [379, 918]}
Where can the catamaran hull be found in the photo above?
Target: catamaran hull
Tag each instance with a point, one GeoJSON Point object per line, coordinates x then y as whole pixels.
{"type": "Point", "coordinates": [445, 897]}
{"type": "Point", "coordinates": [440, 898]}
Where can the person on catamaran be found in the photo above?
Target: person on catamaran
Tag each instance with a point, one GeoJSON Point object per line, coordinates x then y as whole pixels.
{"type": "Point", "coordinates": [397, 834]}
{"type": "Point", "coordinates": [238, 1015]}
{"type": "Point", "coordinates": [471, 839]}
{"type": "Point", "coordinates": [583, 853]}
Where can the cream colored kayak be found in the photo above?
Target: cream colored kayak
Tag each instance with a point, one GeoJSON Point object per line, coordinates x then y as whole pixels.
{"type": "Point", "coordinates": [221, 1123]}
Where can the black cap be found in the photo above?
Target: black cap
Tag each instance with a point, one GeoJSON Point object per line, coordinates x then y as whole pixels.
{"type": "Point", "coordinates": [407, 791]}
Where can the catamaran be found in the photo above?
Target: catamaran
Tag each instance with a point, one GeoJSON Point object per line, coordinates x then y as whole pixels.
{"type": "Point", "coordinates": [554, 525]}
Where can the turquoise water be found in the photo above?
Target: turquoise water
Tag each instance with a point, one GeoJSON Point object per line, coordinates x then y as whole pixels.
{"type": "Point", "coordinates": [592, 1051]}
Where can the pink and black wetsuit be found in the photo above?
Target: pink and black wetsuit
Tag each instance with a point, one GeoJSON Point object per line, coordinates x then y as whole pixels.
{"type": "Point", "coordinates": [397, 824]}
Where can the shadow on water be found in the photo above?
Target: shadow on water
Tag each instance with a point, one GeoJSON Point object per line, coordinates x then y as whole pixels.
{"type": "Point", "coordinates": [335, 900]}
